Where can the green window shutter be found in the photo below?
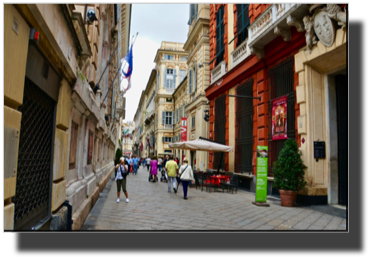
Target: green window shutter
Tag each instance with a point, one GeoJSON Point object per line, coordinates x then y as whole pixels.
{"type": "Point", "coordinates": [163, 117]}
{"type": "Point", "coordinates": [175, 78]}
{"type": "Point", "coordinates": [190, 81]}
{"type": "Point", "coordinates": [195, 77]}
{"type": "Point", "coordinates": [157, 79]}
{"type": "Point", "coordinates": [165, 84]}
{"type": "Point", "coordinates": [163, 139]}
{"type": "Point", "coordinates": [173, 117]}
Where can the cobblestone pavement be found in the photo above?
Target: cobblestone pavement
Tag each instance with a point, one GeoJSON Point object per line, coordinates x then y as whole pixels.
{"type": "Point", "coordinates": [151, 207]}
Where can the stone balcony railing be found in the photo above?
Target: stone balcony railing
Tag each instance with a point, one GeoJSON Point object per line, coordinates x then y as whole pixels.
{"type": "Point", "coordinates": [169, 90]}
{"type": "Point", "coordinates": [275, 20]}
{"type": "Point", "coordinates": [168, 126]}
{"type": "Point", "coordinates": [240, 53]}
{"type": "Point", "coordinates": [218, 72]}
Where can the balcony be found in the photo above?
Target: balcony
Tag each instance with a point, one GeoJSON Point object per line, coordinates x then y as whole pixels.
{"type": "Point", "coordinates": [218, 72]}
{"type": "Point", "coordinates": [240, 53]}
{"type": "Point", "coordinates": [168, 126]}
{"type": "Point", "coordinates": [169, 90]}
{"type": "Point", "coordinates": [275, 21]}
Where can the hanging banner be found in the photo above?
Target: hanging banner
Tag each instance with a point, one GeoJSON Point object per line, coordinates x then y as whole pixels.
{"type": "Point", "coordinates": [279, 121]}
{"type": "Point", "coordinates": [183, 129]}
{"type": "Point", "coordinates": [262, 174]}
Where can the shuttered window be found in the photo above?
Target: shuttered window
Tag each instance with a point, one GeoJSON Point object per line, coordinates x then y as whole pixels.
{"type": "Point", "coordinates": [219, 128]}
{"type": "Point", "coordinates": [190, 81]}
{"type": "Point", "coordinates": [219, 35]}
{"type": "Point", "coordinates": [182, 75]}
{"type": "Point", "coordinates": [242, 22]}
{"type": "Point", "coordinates": [280, 83]}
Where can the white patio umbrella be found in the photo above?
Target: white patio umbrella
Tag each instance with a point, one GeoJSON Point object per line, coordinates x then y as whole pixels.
{"type": "Point", "coordinates": [202, 145]}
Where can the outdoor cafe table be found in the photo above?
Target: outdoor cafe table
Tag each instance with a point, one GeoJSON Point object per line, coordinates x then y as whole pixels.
{"type": "Point", "coordinates": [217, 178]}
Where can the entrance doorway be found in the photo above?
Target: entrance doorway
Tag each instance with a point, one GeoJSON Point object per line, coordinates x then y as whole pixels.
{"type": "Point", "coordinates": [341, 82]}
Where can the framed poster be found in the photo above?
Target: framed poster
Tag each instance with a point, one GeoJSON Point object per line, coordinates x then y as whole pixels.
{"type": "Point", "coordinates": [279, 121]}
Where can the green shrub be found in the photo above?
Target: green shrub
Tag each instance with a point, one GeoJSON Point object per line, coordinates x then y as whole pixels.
{"type": "Point", "coordinates": [289, 170]}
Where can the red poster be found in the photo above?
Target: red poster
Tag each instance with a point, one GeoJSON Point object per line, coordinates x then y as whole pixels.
{"type": "Point", "coordinates": [279, 121]}
{"type": "Point", "coordinates": [183, 129]}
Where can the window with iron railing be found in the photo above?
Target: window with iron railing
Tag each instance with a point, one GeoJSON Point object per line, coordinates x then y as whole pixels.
{"type": "Point", "coordinates": [280, 83]}
{"type": "Point", "coordinates": [242, 22]}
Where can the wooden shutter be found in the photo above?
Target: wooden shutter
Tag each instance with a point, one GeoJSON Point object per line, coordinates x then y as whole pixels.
{"type": "Point", "coordinates": [163, 117]}
{"type": "Point", "coordinates": [157, 80]}
{"type": "Point", "coordinates": [173, 117]}
{"type": "Point", "coordinates": [165, 84]}
{"type": "Point", "coordinates": [195, 77]}
{"type": "Point", "coordinates": [175, 78]}
{"type": "Point", "coordinates": [190, 80]}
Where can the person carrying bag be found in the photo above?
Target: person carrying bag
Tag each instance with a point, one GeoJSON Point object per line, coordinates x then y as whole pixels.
{"type": "Point", "coordinates": [186, 176]}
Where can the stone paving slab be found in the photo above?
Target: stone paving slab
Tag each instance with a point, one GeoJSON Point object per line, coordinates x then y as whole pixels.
{"type": "Point", "coordinates": [151, 207]}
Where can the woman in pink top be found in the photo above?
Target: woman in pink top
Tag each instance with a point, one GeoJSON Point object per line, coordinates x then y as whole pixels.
{"type": "Point", "coordinates": [153, 167]}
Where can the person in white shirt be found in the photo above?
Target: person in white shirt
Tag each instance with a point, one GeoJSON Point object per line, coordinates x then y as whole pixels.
{"type": "Point", "coordinates": [186, 176]}
{"type": "Point", "coordinates": [148, 162]}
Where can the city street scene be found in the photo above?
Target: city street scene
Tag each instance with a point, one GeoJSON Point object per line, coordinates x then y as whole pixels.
{"type": "Point", "coordinates": [170, 117]}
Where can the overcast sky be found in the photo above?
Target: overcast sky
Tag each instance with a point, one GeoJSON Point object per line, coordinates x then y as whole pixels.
{"type": "Point", "coordinates": [154, 23]}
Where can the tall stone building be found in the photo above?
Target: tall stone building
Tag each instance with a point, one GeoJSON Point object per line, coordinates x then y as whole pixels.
{"type": "Point", "coordinates": [60, 137]}
{"type": "Point", "coordinates": [127, 129]}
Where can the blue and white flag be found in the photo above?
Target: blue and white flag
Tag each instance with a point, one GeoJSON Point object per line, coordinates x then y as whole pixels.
{"type": "Point", "coordinates": [126, 70]}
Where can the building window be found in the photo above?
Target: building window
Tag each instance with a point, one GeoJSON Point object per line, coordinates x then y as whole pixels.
{"type": "Point", "coordinates": [244, 129]}
{"type": "Point", "coordinates": [167, 118]}
{"type": "Point", "coordinates": [169, 57]}
{"type": "Point", "coordinates": [219, 35]}
{"type": "Point", "coordinates": [242, 22]}
{"type": "Point", "coordinates": [280, 83]}
{"type": "Point", "coordinates": [177, 115]}
{"type": "Point", "coordinates": [193, 13]}
{"type": "Point", "coordinates": [193, 122]}
{"type": "Point", "coordinates": [182, 75]}
{"type": "Point", "coordinates": [73, 145]}
{"type": "Point", "coordinates": [220, 129]}
{"type": "Point", "coordinates": [169, 100]}
{"type": "Point", "coordinates": [183, 58]}
{"type": "Point", "coordinates": [169, 79]}
{"type": "Point", "coordinates": [90, 147]}
{"type": "Point", "coordinates": [168, 139]}
{"type": "Point", "coordinates": [167, 151]}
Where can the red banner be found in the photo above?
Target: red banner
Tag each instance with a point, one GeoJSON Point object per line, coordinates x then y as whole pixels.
{"type": "Point", "coordinates": [279, 121]}
{"type": "Point", "coordinates": [183, 129]}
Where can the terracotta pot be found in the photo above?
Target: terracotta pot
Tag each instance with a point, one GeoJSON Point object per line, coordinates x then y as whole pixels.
{"type": "Point", "coordinates": [288, 197]}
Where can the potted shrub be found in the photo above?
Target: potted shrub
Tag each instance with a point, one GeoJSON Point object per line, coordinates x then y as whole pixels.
{"type": "Point", "coordinates": [289, 173]}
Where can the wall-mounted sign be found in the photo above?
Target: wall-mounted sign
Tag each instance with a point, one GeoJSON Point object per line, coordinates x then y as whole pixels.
{"type": "Point", "coordinates": [319, 150]}
{"type": "Point", "coordinates": [183, 129]}
{"type": "Point", "coordinates": [279, 121]}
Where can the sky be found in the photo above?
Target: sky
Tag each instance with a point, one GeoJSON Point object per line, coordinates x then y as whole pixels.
{"type": "Point", "coordinates": [154, 23]}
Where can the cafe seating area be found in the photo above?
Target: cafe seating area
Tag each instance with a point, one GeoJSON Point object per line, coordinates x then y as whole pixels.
{"type": "Point", "coordinates": [211, 181]}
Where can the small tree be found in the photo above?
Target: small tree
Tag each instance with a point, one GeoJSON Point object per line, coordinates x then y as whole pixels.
{"type": "Point", "coordinates": [118, 155]}
{"type": "Point", "coordinates": [289, 170]}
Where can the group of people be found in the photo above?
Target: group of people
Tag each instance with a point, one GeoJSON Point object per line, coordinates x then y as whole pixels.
{"type": "Point", "coordinates": [183, 174]}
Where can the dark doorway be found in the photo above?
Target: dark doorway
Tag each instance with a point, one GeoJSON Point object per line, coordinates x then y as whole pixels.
{"type": "Point", "coordinates": [341, 82]}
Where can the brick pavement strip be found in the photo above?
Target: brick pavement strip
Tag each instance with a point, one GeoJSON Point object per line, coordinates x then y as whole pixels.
{"type": "Point", "coordinates": [151, 207]}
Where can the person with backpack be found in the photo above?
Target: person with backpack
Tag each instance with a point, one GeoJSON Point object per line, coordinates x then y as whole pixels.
{"type": "Point", "coordinates": [186, 176]}
{"type": "Point", "coordinates": [121, 179]}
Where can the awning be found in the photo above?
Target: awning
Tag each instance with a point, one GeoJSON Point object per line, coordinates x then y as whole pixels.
{"type": "Point", "coordinates": [201, 145]}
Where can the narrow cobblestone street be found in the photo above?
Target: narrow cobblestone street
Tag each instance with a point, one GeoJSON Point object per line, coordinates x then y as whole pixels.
{"type": "Point", "coordinates": [151, 207]}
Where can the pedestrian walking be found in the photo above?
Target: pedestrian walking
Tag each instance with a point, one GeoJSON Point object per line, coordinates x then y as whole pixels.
{"type": "Point", "coordinates": [177, 161]}
{"type": "Point", "coordinates": [171, 168]}
{"type": "Point", "coordinates": [147, 160]}
{"type": "Point", "coordinates": [135, 162]}
{"type": "Point", "coordinates": [153, 167]}
{"type": "Point", "coordinates": [121, 179]}
{"type": "Point", "coordinates": [186, 176]}
{"type": "Point", "coordinates": [159, 163]}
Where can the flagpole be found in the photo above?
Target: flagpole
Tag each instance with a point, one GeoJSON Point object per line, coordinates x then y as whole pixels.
{"type": "Point", "coordinates": [118, 70]}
